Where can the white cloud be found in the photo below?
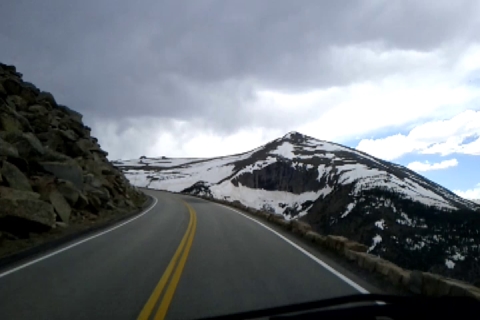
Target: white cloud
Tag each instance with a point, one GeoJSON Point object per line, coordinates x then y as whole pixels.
{"type": "Point", "coordinates": [423, 87]}
{"type": "Point", "coordinates": [407, 87]}
{"type": "Point", "coordinates": [441, 137]}
{"type": "Point", "coordinates": [155, 137]}
{"type": "Point", "coordinates": [471, 194]}
{"type": "Point", "coordinates": [427, 166]}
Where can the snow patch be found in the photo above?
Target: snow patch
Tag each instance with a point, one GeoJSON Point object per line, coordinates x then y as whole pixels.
{"type": "Point", "coordinates": [450, 264]}
{"type": "Point", "coordinates": [285, 150]}
{"type": "Point", "coordinates": [458, 257]}
{"type": "Point", "coordinates": [258, 198]}
{"type": "Point", "coordinates": [376, 240]}
{"type": "Point", "coordinates": [348, 210]}
{"type": "Point", "coordinates": [380, 224]}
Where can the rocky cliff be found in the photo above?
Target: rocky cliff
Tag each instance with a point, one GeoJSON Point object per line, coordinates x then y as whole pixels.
{"type": "Point", "coordinates": [53, 173]}
{"type": "Point", "coordinates": [400, 215]}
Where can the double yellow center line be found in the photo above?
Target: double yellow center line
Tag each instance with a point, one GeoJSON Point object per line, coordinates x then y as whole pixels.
{"type": "Point", "coordinates": [174, 268]}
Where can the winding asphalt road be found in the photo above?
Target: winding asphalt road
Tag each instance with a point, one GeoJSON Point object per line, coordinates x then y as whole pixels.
{"type": "Point", "coordinates": [182, 258]}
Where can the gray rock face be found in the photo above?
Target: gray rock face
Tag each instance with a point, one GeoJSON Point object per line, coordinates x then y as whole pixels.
{"type": "Point", "coordinates": [8, 123]}
{"type": "Point", "coordinates": [14, 194]}
{"type": "Point", "coordinates": [27, 144]}
{"type": "Point", "coordinates": [280, 176]}
{"type": "Point", "coordinates": [7, 150]}
{"type": "Point", "coordinates": [14, 177]}
{"type": "Point", "coordinates": [48, 97]}
{"type": "Point", "coordinates": [29, 210]}
{"type": "Point", "coordinates": [66, 171]}
{"type": "Point", "coordinates": [12, 86]}
{"type": "Point", "coordinates": [38, 110]}
{"type": "Point", "coordinates": [61, 206]}
{"type": "Point", "coordinates": [46, 148]}
{"type": "Point", "coordinates": [69, 191]}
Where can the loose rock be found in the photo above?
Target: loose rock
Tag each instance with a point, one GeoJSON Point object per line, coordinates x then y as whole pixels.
{"type": "Point", "coordinates": [61, 206]}
{"type": "Point", "coordinates": [14, 177]}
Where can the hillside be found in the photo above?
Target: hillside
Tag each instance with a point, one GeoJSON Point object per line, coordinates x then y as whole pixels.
{"type": "Point", "coordinates": [401, 215]}
{"type": "Point", "coordinates": [54, 176]}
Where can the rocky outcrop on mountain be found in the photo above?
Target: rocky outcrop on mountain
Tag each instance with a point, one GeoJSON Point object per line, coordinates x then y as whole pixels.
{"type": "Point", "coordinates": [400, 215]}
{"type": "Point", "coordinates": [52, 171]}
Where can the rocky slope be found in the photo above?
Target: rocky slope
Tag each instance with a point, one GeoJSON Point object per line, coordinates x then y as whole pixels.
{"type": "Point", "coordinates": [399, 214]}
{"type": "Point", "coordinates": [53, 173]}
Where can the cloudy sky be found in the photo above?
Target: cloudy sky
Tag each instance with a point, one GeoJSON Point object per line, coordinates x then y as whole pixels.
{"type": "Point", "coordinates": [397, 79]}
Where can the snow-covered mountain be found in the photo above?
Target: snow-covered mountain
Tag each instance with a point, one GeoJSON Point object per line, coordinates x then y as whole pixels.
{"type": "Point", "coordinates": [403, 216]}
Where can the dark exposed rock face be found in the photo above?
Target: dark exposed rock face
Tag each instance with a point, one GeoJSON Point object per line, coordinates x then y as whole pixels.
{"type": "Point", "coordinates": [280, 176]}
{"type": "Point", "coordinates": [51, 169]}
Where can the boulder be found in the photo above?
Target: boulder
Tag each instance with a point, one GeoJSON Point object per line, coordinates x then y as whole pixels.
{"type": "Point", "coordinates": [91, 166]}
{"type": "Point", "coordinates": [14, 177]}
{"type": "Point", "coordinates": [30, 210]}
{"type": "Point", "coordinates": [359, 257]}
{"type": "Point", "coordinates": [398, 276]}
{"type": "Point", "coordinates": [60, 224]}
{"type": "Point", "coordinates": [14, 194]}
{"type": "Point", "coordinates": [31, 87]}
{"type": "Point", "coordinates": [336, 242]}
{"type": "Point", "coordinates": [74, 115]}
{"type": "Point", "coordinates": [69, 191]}
{"type": "Point", "coordinates": [38, 109]}
{"type": "Point", "coordinates": [54, 156]}
{"type": "Point", "coordinates": [53, 140]}
{"type": "Point", "coordinates": [453, 287]}
{"type": "Point", "coordinates": [300, 227]}
{"type": "Point", "coordinates": [69, 135]}
{"type": "Point", "coordinates": [69, 171]}
{"type": "Point", "coordinates": [27, 144]}
{"type": "Point", "coordinates": [44, 96]}
{"type": "Point", "coordinates": [101, 193]}
{"type": "Point", "coordinates": [416, 282]}
{"type": "Point", "coordinates": [82, 202]}
{"type": "Point", "coordinates": [369, 262]}
{"type": "Point", "coordinates": [61, 206]}
{"type": "Point", "coordinates": [7, 150]}
{"type": "Point", "coordinates": [109, 170]}
{"type": "Point", "coordinates": [17, 101]}
{"type": "Point", "coordinates": [94, 203]}
{"type": "Point", "coordinates": [43, 185]}
{"type": "Point", "coordinates": [315, 237]}
{"type": "Point", "coordinates": [351, 255]}
{"type": "Point", "coordinates": [55, 121]}
{"type": "Point", "coordinates": [283, 223]}
{"type": "Point", "coordinates": [3, 92]}
{"type": "Point", "coordinates": [355, 246]}
{"type": "Point", "coordinates": [10, 124]}
{"type": "Point", "coordinates": [92, 181]}
{"type": "Point", "coordinates": [383, 266]}
{"type": "Point", "coordinates": [40, 125]}
{"type": "Point", "coordinates": [430, 284]}
{"type": "Point", "coordinates": [28, 94]}
{"type": "Point", "coordinates": [12, 86]}
{"type": "Point", "coordinates": [99, 156]}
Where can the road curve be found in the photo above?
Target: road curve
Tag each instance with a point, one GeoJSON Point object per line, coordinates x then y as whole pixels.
{"type": "Point", "coordinates": [185, 258]}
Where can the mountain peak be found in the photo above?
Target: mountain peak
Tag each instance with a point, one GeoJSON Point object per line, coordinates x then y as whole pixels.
{"type": "Point", "coordinates": [294, 134]}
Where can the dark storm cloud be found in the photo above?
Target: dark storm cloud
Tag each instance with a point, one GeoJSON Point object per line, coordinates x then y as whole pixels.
{"type": "Point", "coordinates": [202, 59]}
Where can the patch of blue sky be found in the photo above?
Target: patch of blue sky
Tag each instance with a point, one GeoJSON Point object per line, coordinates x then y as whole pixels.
{"type": "Point", "coordinates": [461, 177]}
{"type": "Point", "coordinates": [471, 138]}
